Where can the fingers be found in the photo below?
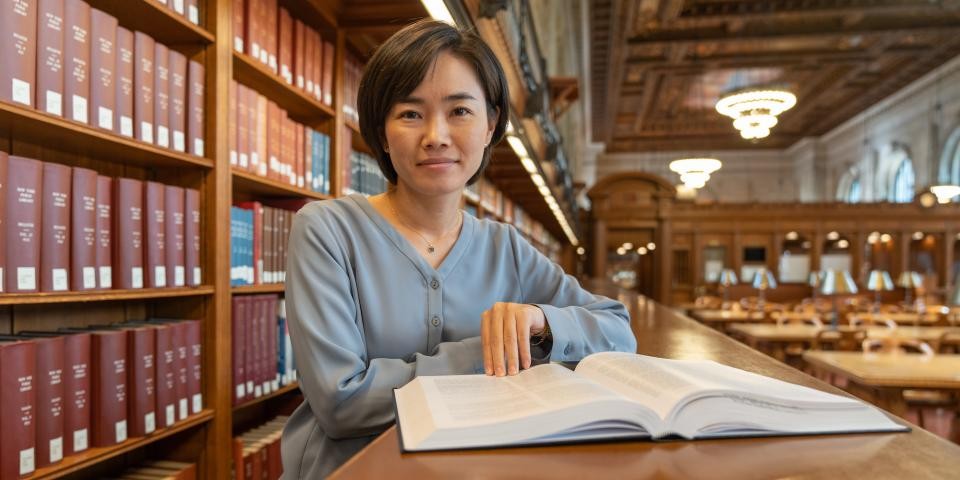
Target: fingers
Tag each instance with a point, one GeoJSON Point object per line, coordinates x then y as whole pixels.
{"type": "Point", "coordinates": [523, 340]}
{"type": "Point", "coordinates": [510, 347]}
{"type": "Point", "coordinates": [485, 333]}
{"type": "Point", "coordinates": [496, 347]}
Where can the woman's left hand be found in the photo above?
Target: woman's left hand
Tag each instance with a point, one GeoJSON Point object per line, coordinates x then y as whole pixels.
{"type": "Point", "coordinates": [506, 330]}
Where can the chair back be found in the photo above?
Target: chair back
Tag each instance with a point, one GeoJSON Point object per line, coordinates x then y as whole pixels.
{"type": "Point", "coordinates": [797, 318]}
{"type": "Point", "coordinates": [842, 339]}
{"type": "Point", "coordinates": [894, 344]}
{"type": "Point", "coordinates": [867, 320]}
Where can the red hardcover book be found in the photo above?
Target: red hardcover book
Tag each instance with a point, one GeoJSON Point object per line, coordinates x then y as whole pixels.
{"type": "Point", "coordinates": [178, 100]}
{"type": "Point", "coordinates": [298, 54]}
{"type": "Point", "coordinates": [50, 396]}
{"type": "Point", "coordinates": [257, 209]}
{"type": "Point", "coordinates": [182, 372]}
{"type": "Point", "coordinates": [161, 94]}
{"type": "Point", "coordinates": [310, 58]}
{"type": "Point", "coordinates": [327, 74]}
{"type": "Point", "coordinates": [55, 228]}
{"type": "Point", "coordinates": [144, 49]}
{"type": "Point", "coordinates": [3, 215]}
{"type": "Point", "coordinates": [77, 384]}
{"type": "Point", "coordinates": [253, 17]}
{"type": "Point", "coordinates": [239, 34]}
{"type": "Point", "coordinates": [273, 372]}
{"type": "Point", "coordinates": [233, 105]}
{"type": "Point", "coordinates": [319, 88]}
{"type": "Point", "coordinates": [195, 108]}
{"type": "Point", "coordinates": [141, 380]}
{"type": "Point", "coordinates": [191, 207]}
{"type": "Point", "coordinates": [193, 11]}
{"type": "Point", "coordinates": [154, 235]}
{"type": "Point", "coordinates": [178, 6]}
{"type": "Point", "coordinates": [273, 141]}
{"type": "Point", "coordinates": [17, 408]}
{"type": "Point", "coordinates": [266, 376]}
{"type": "Point", "coordinates": [50, 32]}
{"type": "Point", "coordinates": [166, 375]}
{"type": "Point", "coordinates": [194, 362]}
{"type": "Point", "coordinates": [76, 55]}
{"type": "Point", "coordinates": [174, 234]}
{"type": "Point", "coordinates": [123, 76]}
{"type": "Point", "coordinates": [128, 222]}
{"type": "Point", "coordinates": [270, 28]}
{"type": "Point", "coordinates": [285, 45]}
{"type": "Point", "coordinates": [262, 137]}
{"type": "Point", "coordinates": [103, 64]}
{"type": "Point", "coordinates": [252, 358]}
{"type": "Point", "coordinates": [108, 360]}
{"type": "Point", "coordinates": [253, 137]}
{"type": "Point", "coordinates": [242, 119]}
{"type": "Point", "coordinates": [83, 241]}
{"type": "Point", "coordinates": [103, 226]}
{"type": "Point", "coordinates": [238, 347]}
{"type": "Point", "coordinates": [18, 51]}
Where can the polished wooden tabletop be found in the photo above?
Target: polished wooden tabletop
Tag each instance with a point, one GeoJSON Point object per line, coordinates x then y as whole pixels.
{"type": "Point", "coordinates": [727, 316]}
{"type": "Point", "coordinates": [662, 332]}
{"type": "Point", "coordinates": [900, 370]}
{"type": "Point", "coordinates": [799, 333]}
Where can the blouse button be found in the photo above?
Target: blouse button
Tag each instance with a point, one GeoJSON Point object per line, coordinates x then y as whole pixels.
{"type": "Point", "coordinates": [435, 320]}
{"type": "Point", "coordinates": [434, 284]}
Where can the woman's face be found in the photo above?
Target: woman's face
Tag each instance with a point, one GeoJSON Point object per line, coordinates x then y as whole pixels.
{"type": "Point", "coordinates": [436, 136]}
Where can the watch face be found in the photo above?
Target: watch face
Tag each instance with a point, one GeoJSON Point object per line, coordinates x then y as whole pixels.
{"type": "Point", "coordinates": [928, 199]}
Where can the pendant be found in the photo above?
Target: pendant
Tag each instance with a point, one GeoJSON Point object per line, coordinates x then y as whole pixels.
{"type": "Point", "coordinates": [430, 249]}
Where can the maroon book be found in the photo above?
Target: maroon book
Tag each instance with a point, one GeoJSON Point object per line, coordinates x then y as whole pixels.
{"type": "Point", "coordinates": [104, 226]}
{"type": "Point", "coordinates": [161, 94]}
{"type": "Point", "coordinates": [273, 141]}
{"type": "Point", "coordinates": [310, 58]}
{"type": "Point", "coordinates": [319, 88]}
{"type": "Point", "coordinates": [123, 76]}
{"type": "Point", "coordinates": [193, 11]}
{"type": "Point", "coordinates": [238, 25]}
{"type": "Point", "coordinates": [194, 364]}
{"type": "Point", "coordinates": [183, 373]}
{"type": "Point", "coordinates": [154, 235]}
{"type": "Point", "coordinates": [83, 241]}
{"type": "Point", "coordinates": [143, 78]}
{"type": "Point", "coordinates": [175, 235]}
{"type": "Point", "coordinates": [273, 372]}
{"type": "Point", "coordinates": [298, 53]}
{"type": "Point", "coordinates": [50, 399]}
{"type": "Point", "coordinates": [18, 51]}
{"type": "Point", "coordinates": [166, 375]}
{"type": "Point", "coordinates": [128, 248]}
{"type": "Point", "coordinates": [242, 119]}
{"type": "Point", "coordinates": [77, 384]}
{"type": "Point", "coordinates": [254, 347]}
{"type": "Point", "coordinates": [50, 32]}
{"type": "Point", "coordinates": [233, 100]}
{"type": "Point", "coordinates": [108, 360]}
{"type": "Point", "coordinates": [17, 409]}
{"type": "Point", "coordinates": [55, 228]}
{"type": "Point", "coordinates": [103, 64]}
{"type": "Point", "coordinates": [239, 348]}
{"type": "Point", "coordinates": [327, 74]}
{"type": "Point", "coordinates": [285, 45]}
{"type": "Point", "coordinates": [178, 100]}
{"type": "Point", "coordinates": [141, 378]}
{"type": "Point", "coordinates": [192, 236]}
{"type": "Point", "coordinates": [76, 56]}
{"type": "Point", "coordinates": [195, 108]}
{"type": "Point", "coordinates": [3, 215]}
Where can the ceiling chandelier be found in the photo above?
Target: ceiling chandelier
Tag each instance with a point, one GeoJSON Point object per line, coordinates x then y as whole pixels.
{"type": "Point", "coordinates": [754, 112]}
{"type": "Point", "coordinates": [694, 172]}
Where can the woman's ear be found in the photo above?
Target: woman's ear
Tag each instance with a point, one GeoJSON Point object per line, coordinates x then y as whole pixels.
{"type": "Point", "coordinates": [492, 125]}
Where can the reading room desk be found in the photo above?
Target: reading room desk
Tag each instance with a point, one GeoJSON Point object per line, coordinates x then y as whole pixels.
{"type": "Point", "coordinates": [662, 332]}
{"type": "Point", "coordinates": [774, 338]}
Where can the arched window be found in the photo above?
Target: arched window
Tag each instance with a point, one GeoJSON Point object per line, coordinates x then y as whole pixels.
{"type": "Point", "coordinates": [950, 159]}
{"type": "Point", "coordinates": [855, 192]}
{"type": "Point", "coordinates": [903, 181]}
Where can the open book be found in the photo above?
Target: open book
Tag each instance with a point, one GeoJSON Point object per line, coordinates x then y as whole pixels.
{"type": "Point", "coordinates": [619, 395]}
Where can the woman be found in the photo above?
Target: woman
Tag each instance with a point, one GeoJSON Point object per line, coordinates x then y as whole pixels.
{"type": "Point", "coordinates": [402, 284]}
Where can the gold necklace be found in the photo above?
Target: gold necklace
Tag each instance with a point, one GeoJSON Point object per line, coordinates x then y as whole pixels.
{"type": "Point", "coordinates": [430, 247]}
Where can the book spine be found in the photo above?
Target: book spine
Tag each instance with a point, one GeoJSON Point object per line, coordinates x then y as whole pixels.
{"type": "Point", "coordinates": [76, 417]}
{"type": "Point", "coordinates": [18, 414]}
{"type": "Point", "coordinates": [262, 137]}
{"type": "Point", "coordinates": [195, 109]}
{"type": "Point", "coordinates": [50, 32]}
{"type": "Point", "coordinates": [251, 101]}
{"type": "Point", "coordinates": [192, 236]}
{"type": "Point", "coordinates": [18, 51]}
{"type": "Point", "coordinates": [109, 387]}
{"type": "Point", "coordinates": [154, 230]}
{"type": "Point", "coordinates": [273, 326]}
{"type": "Point", "coordinates": [178, 6]}
{"type": "Point", "coordinates": [142, 402]}
{"type": "Point", "coordinates": [194, 365]}
{"type": "Point", "coordinates": [285, 45]}
{"type": "Point", "coordinates": [298, 54]}
{"type": "Point", "coordinates": [328, 52]}
{"type": "Point", "coordinates": [166, 375]}
{"type": "Point", "coordinates": [254, 348]}
{"type": "Point", "coordinates": [193, 11]}
{"type": "Point", "coordinates": [161, 94]}
{"type": "Point", "coordinates": [103, 64]}
{"type": "Point", "coordinates": [50, 395]}
{"type": "Point", "coordinates": [251, 18]}
{"type": "Point", "coordinates": [273, 141]}
{"type": "Point", "coordinates": [270, 30]}
{"type": "Point", "coordinates": [318, 87]}
{"type": "Point", "coordinates": [239, 33]}
{"type": "Point", "coordinates": [181, 348]}
{"type": "Point", "coordinates": [175, 235]}
{"type": "Point", "coordinates": [311, 58]}
{"type": "Point", "coordinates": [128, 218]}
{"type": "Point", "coordinates": [4, 226]}
{"type": "Point", "coordinates": [76, 53]}
{"type": "Point", "coordinates": [55, 229]}
{"type": "Point", "coordinates": [233, 124]}
{"type": "Point", "coordinates": [143, 79]}
{"type": "Point", "coordinates": [178, 100]}
{"type": "Point", "coordinates": [104, 238]}
{"type": "Point", "coordinates": [83, 241]}
{"type": "Point", "coordinates": [123, 74]}
{"type": "Point", "coordinates": [237, 334]}
{"type": "Point", "coordinates": [239, 123]}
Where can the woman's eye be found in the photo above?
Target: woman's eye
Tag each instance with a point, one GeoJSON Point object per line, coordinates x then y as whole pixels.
{"type": "Point", "coordinates": [409, 114]}
{"type": "Point", "coordinates": [461, 111]}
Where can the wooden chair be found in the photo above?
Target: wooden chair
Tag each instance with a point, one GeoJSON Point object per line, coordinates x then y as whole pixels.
{"type": "Point", "coordinates": [894, 344]}
{"type": "Point", "coordinates": [842, 340]}
{"type": "Point", "coordinates": [857, 320]}
{"type": "Point", "coordinates": [708, 302]}
{"type": "Point", "coordinates": [796, 318]}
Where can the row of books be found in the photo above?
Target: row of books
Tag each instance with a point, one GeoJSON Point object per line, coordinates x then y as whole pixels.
{"type": "Point", "coordinates": [262, 353]}
{"type": "Point", "coordinates": [65, 391]}
{"type": "Point", "coordinates": [256, 453]}
{"type": "Point", "coordinates": [69, 228]}
{"type": "Point", "coordinates": [265, 141]}
{"type": "Point", "coordinates": [258, 243]}
{"type": "Point", "coordinates": [73, 61]}
{"type": "Point", "coordinates": [362, 175]}
{"type": "Point", "coordinates": [352, 71]}
{"type": "Point", "coordinates": [187, 8]}
{"type": "Point", "coordinates": [158, 470]}
{"type": "Point", "coordinates": [300, 55]}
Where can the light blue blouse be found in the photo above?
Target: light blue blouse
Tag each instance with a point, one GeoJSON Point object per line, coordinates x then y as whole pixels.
{"type": "Point", "coordinates": [367, 314]}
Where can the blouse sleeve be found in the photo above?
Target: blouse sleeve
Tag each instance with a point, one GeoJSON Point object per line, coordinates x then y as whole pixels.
{"type": "Point", "coordinates": [350, 394]}
{"type": "Point", "coordinates": [580, 322]}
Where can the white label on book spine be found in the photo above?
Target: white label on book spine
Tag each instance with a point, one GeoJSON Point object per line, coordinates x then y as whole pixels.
{"type": "Point", "coordinates": [265, 388]}
{"type": "Point", "coordinates": [121, 428]}
{"type": "Point", "coordinates": [238, 44]}
{"type": "Point", "coordinates": [255, 50]}
{"type": "Point", "coordinates": [241, 391]}
{"type": "Point", "coordinates": [80, 440]}
{"type": "Point", "coordinates": [249, 387]}
{"type": "Point", "coordinates": [21, 92]}
{"type": "Point", "coordinates": [105, 118]}
{"type": "Point", "coordinates": [171, 414]}
{"type": "Point", "coordinates": [146, 132]}
{"type": "Point", "coordinates": [54, 103]}
{"type": "Point", "coordinates": [89, 277]}
{"type": "Point", "coordinates": [126, 126]}
{"type": "Point", "coordinates": [244, 160]}
{"type": "Point", "coordinates": [183, 408]}
{"type": "Point", "coordinates": [160, 276]}
{"type": "Point", "coordinates": [272, 61]}
{"type": "Point", "coordinates": [258, 391]}
{"type": "Point", "coordinates": [196, 276]}
{"type": "Point", "coordinates": [163, 136]}
{"type": "Point", "coordinates": [59, 279]}
{"type": "Point", "coordinates": [178, 6]}
{"type": "Point", "coordinates": [56, 450]}
{"type": "Point", "coordinates": [80, 108]}
{"type": "Point", "coordinates": [197, 403]}
{"type": "Point", "coordinates": [179, 142]}
{"type": "Point", "coordinates": [299, 81]}
{"type": "Point", "coordinates": [264, 56]}
{"type": "Point", "coordinates": [106, 277]}
{"type": "Point", "coordinates": [198, 147]}
{"type": "Point", "coordinates": [233, 157]}
{"type": "Point", "coordinates": [194, 14]}
{"type": "Point", "coordinates": [149, 422]}
{"type": "Point", "coordinates": [26, 461]}
{"type": "Point", "coordinates": [310, 86]}
{"type": "Point", "coordinates": [275, 385]}
{"type": "Point", "coordinates": [136, 277]}
{"type": "Point", "coordinates": [179, 277]}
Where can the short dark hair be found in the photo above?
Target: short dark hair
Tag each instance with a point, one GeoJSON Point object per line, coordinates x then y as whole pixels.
{"type": "Point", "coordinates": [400, 64]}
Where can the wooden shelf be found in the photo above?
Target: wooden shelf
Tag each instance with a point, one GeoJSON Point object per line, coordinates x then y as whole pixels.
{"type": "Point", "coordinates": [299, 106]}
{"type": "Point", "coordinates": [252, 289]}
{"type": "Point", "coordinates": [29, 125]}
{"type": "Point", "coordinates": [157, 20]}
{"type": "Point", "coordinates": [280, 391]}
{"type": "Point", "coordinates": [318, 14]}
{"type": "Point", "coordinates": [249, 182]}
{"type": "Point", "coordinates": [87, 458]}
{"type": "Point", "coordinates": [102, 295]}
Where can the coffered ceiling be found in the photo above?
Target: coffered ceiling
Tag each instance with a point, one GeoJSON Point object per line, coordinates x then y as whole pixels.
{"type": "Point", "coordinates": [659, 66]}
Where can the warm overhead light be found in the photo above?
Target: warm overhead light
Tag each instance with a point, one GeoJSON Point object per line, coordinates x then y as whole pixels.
{"type": "Point", "coordinates": [694, 172]}
{"type": "Point", "coordinates": [695, 179]}
{"type": "Point", "coordinates": [438, 10]}
{"type": "Point", "coordinates": [833, 236]}
{"type": "Point", "coordinates": [885, 238]}
{"type": "Point", "coordinates": [581, 251]}
{"type": "Point", "coordinates": [754, 112]}
{"type": "Point", "coordinates": [843, 243]}
{"type": "Point", "coordinates": [945, 193]}
{"type": "Point", "coordinates": [642, 251]}
{"type": "Point", "coordinates": [517, 145]}
{"type": "Point", "coordinates": [651, 246]}
{"type": "Point", "coordinates": [628, 246]}
{"type": "Point", "coordinates": [792, 236]}
{"type": "Point", "coordinates": [918, 235]}
{"type": "Point", "coordinates": [621, 251]}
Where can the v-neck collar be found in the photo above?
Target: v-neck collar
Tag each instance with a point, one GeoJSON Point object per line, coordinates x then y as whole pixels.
{"type": "Point", "coordinates": [403, 245]}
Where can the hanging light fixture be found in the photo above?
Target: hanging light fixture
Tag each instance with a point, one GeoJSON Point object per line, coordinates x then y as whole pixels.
{"type": "Point", "coordinates": [754, 111]}
{"type": "Point", "coordinates": [945, 192]}
{"type": "Point", "coordinates": [694, 172]}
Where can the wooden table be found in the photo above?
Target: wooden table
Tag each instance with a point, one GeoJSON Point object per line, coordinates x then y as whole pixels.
{"type": "Point", "coordinates": [662, 332]}
{"type": "Point", "coordinates": [720, 319]}
{"type": "Point", "coordinates": [774, 338]}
